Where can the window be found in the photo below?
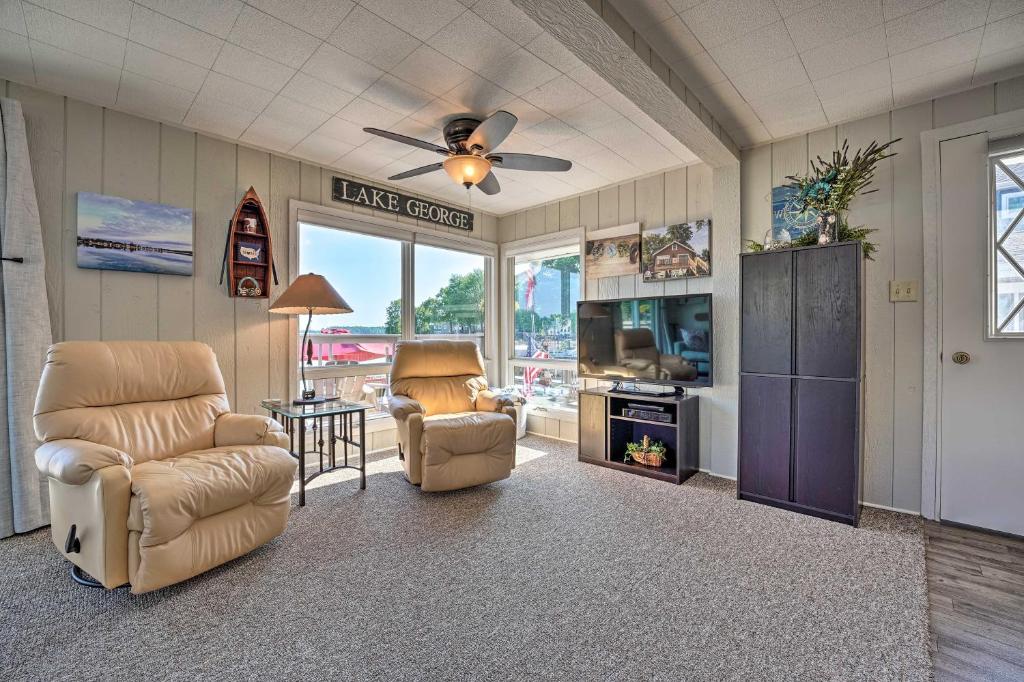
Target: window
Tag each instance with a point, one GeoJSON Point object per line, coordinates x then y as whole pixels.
{"type": "Point", "coordinates": [544, 287]}
{"type": "Point", "coordinates": [451, 294]}
{"type": "Point", "coordinates": [1006, 239]}
{"type": "Point", "coordinates": [398, 288]}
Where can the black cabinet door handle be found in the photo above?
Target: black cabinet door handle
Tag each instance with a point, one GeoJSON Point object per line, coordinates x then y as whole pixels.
{"type": "Point", "coordinates": [13, 259]}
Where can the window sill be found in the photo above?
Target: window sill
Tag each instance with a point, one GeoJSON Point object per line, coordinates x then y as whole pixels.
{"type": "Point", "coordinates": [561, 412]}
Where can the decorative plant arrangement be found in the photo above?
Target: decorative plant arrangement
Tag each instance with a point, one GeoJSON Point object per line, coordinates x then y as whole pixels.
{"type": "Point", "coordinates": [646, 452]}
{"type": "Point", "coordinates": [827, 192]}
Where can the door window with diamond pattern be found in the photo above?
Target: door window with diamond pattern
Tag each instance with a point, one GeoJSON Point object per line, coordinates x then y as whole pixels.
{"type": "Point", "coordinates": [1006, 295]}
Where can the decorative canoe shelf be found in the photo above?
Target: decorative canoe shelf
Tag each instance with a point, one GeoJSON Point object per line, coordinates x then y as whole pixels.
{"type": "Point", "coordinates": [248, 252]}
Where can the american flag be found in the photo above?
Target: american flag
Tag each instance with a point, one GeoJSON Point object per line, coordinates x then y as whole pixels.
{"type": "Point", "coordinates": [530, 374]}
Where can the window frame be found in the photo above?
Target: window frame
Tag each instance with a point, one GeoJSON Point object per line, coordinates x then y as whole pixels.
{"type": "Point", "coordinates": [993, 244]}
{"type": "Point", "coordinates": [524, 247]}
{"type": "Point", "coordinates": [409, 235]}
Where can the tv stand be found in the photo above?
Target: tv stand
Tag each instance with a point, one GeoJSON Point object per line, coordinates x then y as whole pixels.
{"type": "Point", "coordinates": [609, 419]}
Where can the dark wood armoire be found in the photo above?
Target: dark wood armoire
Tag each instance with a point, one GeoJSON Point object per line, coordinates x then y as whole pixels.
{"type": "Point", "coordinates": [801, 360]}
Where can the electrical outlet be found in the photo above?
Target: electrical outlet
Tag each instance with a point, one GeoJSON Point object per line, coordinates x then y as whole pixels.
{"type": "Point", "coordinates": [903, 290]}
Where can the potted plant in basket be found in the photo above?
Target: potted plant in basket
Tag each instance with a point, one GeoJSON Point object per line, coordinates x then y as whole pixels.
{"type": "Point", "coordinates": [651, 453]}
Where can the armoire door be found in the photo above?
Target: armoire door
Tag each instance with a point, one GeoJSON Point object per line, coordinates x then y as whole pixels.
{"type": "Point", "coordinates": [825, 445]}
{"type": "Point", "coordinates": [765, 436]}
{"type": "Point", "coordinates": [767, 313]}
{"type": "Point", "coordinates": [827, 320]}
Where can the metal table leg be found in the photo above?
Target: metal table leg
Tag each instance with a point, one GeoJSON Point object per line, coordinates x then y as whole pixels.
{"type": "Point", "coordinates": [302, 461]}
{"type": "Point", "coordinates": [362, 449]}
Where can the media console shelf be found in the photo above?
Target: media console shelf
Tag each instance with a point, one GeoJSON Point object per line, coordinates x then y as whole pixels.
{"type": "Point", "coordinates": [608, 420]}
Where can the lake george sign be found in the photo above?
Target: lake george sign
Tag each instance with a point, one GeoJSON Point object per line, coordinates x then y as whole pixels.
{"type": "Point", "coordinates": [353, 192]}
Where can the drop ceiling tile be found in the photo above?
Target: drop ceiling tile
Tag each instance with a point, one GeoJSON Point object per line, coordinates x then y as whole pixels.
{"type": "Point", "coordinates": [348, 132]}
{"type": "Point", "coordinates": [317, 17]}
{"type": "Point", "coordinates": [430, 70]}
{"type": "Point", "coordinates": [272, 38]}
{"type": "Point", "coordinates": [158, 66]}
{"type": "Point", "coordinates": [590, 116]}
{"type": "Point", "coordinates": [999, 66]}
{"type": "Point", "coordinates": [1001, 9]}
{"type": "Point", "coordinates": [527, 114]}
{"type": "Point", "coordinates": [320, 148]}
{"type": "Point", "coordinates": [478, 96]}
{"type": "Point", "coordinates": [519, 72]}
{"type": "Point", "coordinates": [832, 21]}
{"type": "Point", "coordinates": [211, 16]}
{"type": "Point", "coordinates": [474, 43]}
{"type": "Point", "coordinates": [790, 7]}
{"type": "Point", "coordinates": [373, 39]}
{"type": "Point", "coordinates": [109, 15]}
{"type": "Point", "coordinates": [865, 78]}
{"type": "Point", "coordinates": [341, 69]}
{"type": "Point", "coordinates": [934, 23]}
{"type": "Point", "coordinates": [853, 106]}
{"type": "Point", "coordinates": [296, 113]}
{"type": "Point", "coordinates": [798, 101]}
{"type": "Point", "coordinates": [508, 19]}
{"type": "Point", "coordinates": [681, 6]}
{"type": "Point", "coordinates": [74, 36]}
{"type": "Point", "coordinates": [753, 51]}
{"type": "Point", "coordinates": [173, 37]}
{"type": "Point", "coordinates": [936, 56]}
{"type": "Point", "coordinates": [1005, 34]}
{"type": "Point", "coordinates": [366, 113]}
{"type": "Point", "coordinates": [437, 113]}
{"type": "Point", "coordinates": [153, 99]}
{"type": "Point", "coordinates": [613, 134]}
{"type": "Point", "coordinates": [641, 14]}
{"type": "Point", "coordinates": [219, 118]}
{"type": "Point", "coordinates": [386, 149]}
{"type": "Point", "coordinates": [558, 95]}
{"type": "Point", "coordinates": [858, 49]}
{"type": "Point", "coordinates": [252, 68]}
{"type": "Point", "coordinates": [316, 93]}
{"type": "Point", "coordinates": [274, 134]}
{"type": "Point", "coordinates": [672, 40]}
{"type": "Point", "coordinates": [610, 165]}
{"type": "Point", "coordinates": [698, 71]}
{"type": "Point", "coordinates": [723, 20]}
{"type": "Point", "coordinates": [421, 19]}
{"type": "Point", "coordinates": [397, 95]}
{"type": "Point", "coordinates": [12, 19]}
{"type": "Point", "coordinates": [548, 48]}
{"type": "Point", "coordinates": [893, 9]}
{"type": "Point", "coordinates": [786, 125]}
{"type": "Point", "coordinates": [517, 144]}
{"type": "Point", "coordinates": [577, 147]}
{"type": "Point", "coordinates": [589, 79]}
{"type": "Point", "coordinates": [221, 88]}
{"type": "Point", "coordinates": [550, 132]}
{"type": "Point", "coordinates": [933, 84]}
{"type": "Point", "coordinates": [420, 131]}
{"type": "Point", "coordinates": [773, 78]}
{"type": "Point", "coordinates": [61, 71]}
{"type": "Point", "coordinates": [15, 57]}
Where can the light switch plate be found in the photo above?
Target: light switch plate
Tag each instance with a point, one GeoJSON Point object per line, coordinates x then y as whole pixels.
{"type": "Point", "coordinates": [902, 290]}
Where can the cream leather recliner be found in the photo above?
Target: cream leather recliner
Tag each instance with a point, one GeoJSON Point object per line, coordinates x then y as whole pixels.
{"type": "Point", "coordinates": [452, 431]}
{"type": "Point", "coordinates": [145, 459]}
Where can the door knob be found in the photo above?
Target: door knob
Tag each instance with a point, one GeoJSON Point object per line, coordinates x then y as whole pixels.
{"type": "Point", "coordinates": [961, 358]}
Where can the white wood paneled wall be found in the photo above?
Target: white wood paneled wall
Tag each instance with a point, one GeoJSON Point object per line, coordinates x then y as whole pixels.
{"type": "Point", "coordinates": [893, 359]}
{"type": "Point", "coordinates": [674, 196]}
{"type": "Point", "coordinates": [76, 147]}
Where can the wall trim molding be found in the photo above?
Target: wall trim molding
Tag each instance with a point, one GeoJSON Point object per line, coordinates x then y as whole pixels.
{"type": "Point", "coordinates": [998, 126]}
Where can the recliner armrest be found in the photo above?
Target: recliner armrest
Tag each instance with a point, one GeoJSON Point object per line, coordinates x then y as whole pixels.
{"type": "Point", "coordinates": [401, 407]}
{"type": "Point", "coordinates": [248, 429]}
{"type": "Point", "coordinates": [73, 461]}
{"type": "Point", "coordinates": [489, 401]}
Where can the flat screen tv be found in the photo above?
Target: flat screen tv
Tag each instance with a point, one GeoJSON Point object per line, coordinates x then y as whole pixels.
{"type": "Point", "coordinates": [650, 340]}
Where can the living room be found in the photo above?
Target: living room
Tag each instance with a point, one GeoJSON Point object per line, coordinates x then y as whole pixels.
{"type": "Point", "coordinates": [588, 339]}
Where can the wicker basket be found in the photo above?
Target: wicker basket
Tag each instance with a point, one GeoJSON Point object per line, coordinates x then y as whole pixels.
{"type": "Point", "coordinates": [649, 458]}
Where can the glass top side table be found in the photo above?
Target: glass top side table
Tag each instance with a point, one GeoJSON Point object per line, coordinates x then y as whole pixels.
{"type": "Point", "coordinates": [331, 422]}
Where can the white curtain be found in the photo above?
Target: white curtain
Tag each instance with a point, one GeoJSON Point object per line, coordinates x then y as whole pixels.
{"type": "Point", "coordinates": [25, 326]}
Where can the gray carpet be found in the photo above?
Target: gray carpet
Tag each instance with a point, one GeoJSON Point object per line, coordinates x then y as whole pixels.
{"type": "Point", "coordinates": [564, 571]}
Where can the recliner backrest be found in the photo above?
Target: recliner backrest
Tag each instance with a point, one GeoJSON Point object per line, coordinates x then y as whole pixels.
{"type": "Point", "coordinates": [151, 399]}
{"type": "Point", "coordinates": [635, 344]}
{"type": "Point", "coordinates": [443, 376]}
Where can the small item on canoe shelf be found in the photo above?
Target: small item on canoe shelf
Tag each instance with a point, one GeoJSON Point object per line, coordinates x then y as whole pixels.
{"type": "Point", "coordinates": [248, 287]}
{"type": "Point", "coordinates": [248, 252]}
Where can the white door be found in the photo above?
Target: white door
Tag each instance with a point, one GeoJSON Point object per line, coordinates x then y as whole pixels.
{"type": "Point", "coordinates": [982, 407]}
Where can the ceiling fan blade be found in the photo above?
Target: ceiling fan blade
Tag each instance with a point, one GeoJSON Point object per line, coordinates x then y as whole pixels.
{"type": "Point", "coordinates": [529, 162]}
{"type": "Point", "coordinates": [417, 171]}
{"type": "Point", "coordinates": [492, 132]}
{"type": "Point", "coordinates": [405, 139]}
{"type": "Point", "coordinates": [489, 185]}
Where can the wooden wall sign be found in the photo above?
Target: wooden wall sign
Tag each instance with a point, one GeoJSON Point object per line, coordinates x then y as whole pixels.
{"type": "Point", "coordinates": [352, 192]}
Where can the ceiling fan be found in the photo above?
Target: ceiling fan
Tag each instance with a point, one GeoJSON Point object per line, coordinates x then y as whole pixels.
{"type": "Point", "coordinates": [471, 155]}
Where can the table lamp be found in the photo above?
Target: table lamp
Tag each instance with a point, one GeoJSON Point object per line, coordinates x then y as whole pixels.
{"type": "Point", "coordinates": [313, 295]}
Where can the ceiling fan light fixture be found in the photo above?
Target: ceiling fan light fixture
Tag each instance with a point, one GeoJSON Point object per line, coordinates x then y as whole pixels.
{"type": "Point", "coordinates": [467, 169]}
